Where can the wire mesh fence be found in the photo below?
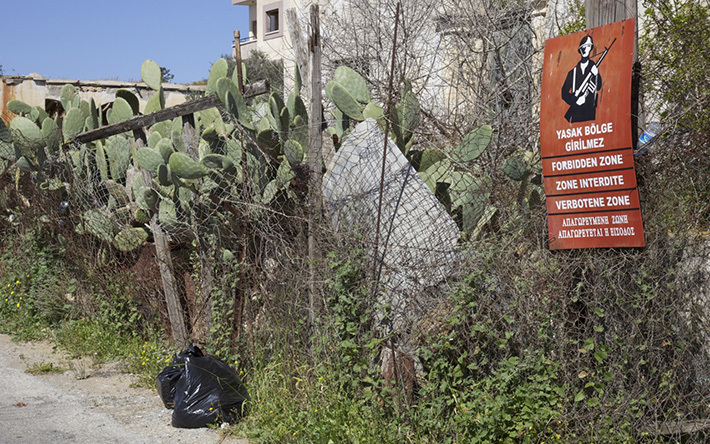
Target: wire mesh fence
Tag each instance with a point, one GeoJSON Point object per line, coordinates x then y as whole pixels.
{"type": "Point", "coordinates": [452, 264]}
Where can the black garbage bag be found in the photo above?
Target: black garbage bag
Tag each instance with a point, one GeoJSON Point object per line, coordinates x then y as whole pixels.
{"type": "Point", "coordinates": [208, 391]}
{"type": "Point", "coordinates": [168, 378]}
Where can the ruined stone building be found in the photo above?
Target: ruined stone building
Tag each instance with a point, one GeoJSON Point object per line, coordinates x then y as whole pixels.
{"type": "Point", "coordinates": [35, 90]}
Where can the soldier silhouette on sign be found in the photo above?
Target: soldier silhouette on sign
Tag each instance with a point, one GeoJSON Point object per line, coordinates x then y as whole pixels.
{"type": "Point", "coordinates": [582, 84]}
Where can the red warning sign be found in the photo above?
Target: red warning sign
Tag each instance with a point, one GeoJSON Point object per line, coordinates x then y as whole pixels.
{"type": "Point", "coordinates": [586, 140]}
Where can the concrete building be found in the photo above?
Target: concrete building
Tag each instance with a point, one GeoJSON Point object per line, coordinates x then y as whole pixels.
{"type": "Point", "coordinates": [267, 23]}
{"type": "Point", "coordinates": [454, 66]}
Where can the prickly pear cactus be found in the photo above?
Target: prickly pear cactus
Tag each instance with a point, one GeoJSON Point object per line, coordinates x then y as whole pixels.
{"type": "Point", "coordinates": [129, 97]}
{"type": "Point", "coordinates": [219, 70]}
{"type": "Point", "coordinates": [474, 144]}
{"type": "Point", "coordinates": [120, 111]}
{"type": "Point", "coordinates": [130, 239]}
{"type": "Point", "coordinates": [51, 135]}
{"type": "Point", "coordinates": [118, 153]}
{"type": "Point", "coordinates": [19, 108]}
{"type": "Point", "coordinates": [99, 224]}
{"type": "Point", "coordinates": [101, 163]}
{"type": "Point", "coordinates": [73, 123]}
{"type": "Point", "coordinates": [149, 158]}
{"type": "Point", "coordinates": [150, 73]}
{"type": "Point", "coordinates": [345, 102]}
{"type": "Point", "coordinates": [353, 82]}
{"type": "Point", "coordinates": [516, 168]}
{"type": "Point", "coordinates": [28, 138]}
{"type": "Point", "coordinates": [184, 167]}
{"type": "Point", "coordinates": [7, 151]}
{"type": "Point", "coordinates": [156, 102]}
{"type": "Point", "coordinates": [69, 97]}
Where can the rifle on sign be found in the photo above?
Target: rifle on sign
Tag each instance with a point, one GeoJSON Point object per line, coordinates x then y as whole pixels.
{"type": "Point", "coordinates": [584, 87]}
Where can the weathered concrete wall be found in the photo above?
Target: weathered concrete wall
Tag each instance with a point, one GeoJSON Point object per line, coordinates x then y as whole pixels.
{"type": "Point", "coordinates": [418, 243]}
{"type": "Point", "coordinates": [36, 90]}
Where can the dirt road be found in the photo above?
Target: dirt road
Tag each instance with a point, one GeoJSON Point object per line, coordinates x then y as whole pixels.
{"type": "Point", "coordinates": [82, 404]}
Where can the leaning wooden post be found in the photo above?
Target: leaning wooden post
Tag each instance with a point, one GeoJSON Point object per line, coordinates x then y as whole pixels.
{"type": "Point", "coordinates": [314, 156]}
{"type": "Point", "coordinates": [165, 264]}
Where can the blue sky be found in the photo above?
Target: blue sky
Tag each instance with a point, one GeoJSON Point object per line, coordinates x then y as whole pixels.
{"type": "Point", "coordinates": [96, 40]}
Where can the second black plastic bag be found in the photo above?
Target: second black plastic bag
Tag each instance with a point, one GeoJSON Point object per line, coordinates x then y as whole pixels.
{"type": "Point", "coordinates": [209, 391]}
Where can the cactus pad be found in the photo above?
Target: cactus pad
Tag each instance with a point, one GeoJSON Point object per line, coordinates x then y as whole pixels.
{"type": "Point", "coordinates": [150, 73]}
{"type": "Point", "coordinates": [353, 82]}
{"type": "Point", "coordinates": [474, 144]}
{"type": "Point", "coordinates": [186, 168]}
{"type": "Point", "coordinates": [118, 153]}
{"type": "Point", "coordinates": [27, 136]}
{"type": "Point", "coordinates": [238, 108]}
{"type": "Point", "coordinates": [130, 239]}
{"type": "Point", "coordinates": [164, 175]}
{"type": "Point", "coordinates": [217, 162]}
{"type": "Point", "coordinates": [18, 107]}
{"type": "Point", "coordinates": [156, 102]}
{"type": "Point", "coordinates": [149, 159]}
{"type": "Point", "coordinates": [99, 224]}
{"type": "Point", "coordinates": [167, 214]}
{"type": "Point", "coordinates": [219, 70]}
{"type": "Point", "coordinates": [120, 111]}
{"type": "Point", "coordinates": [130, 98]}
{"type": "Point", "coordinates": [50, 134]}
{"type": "Point", "coordinates": [165, 148]}
{"type": "Point", "coordinates": [294, 152]}
{"type": "Point", "coordinates": [101, 163]}
{"type": "Point", "coordinates": [67, 96]}
{"type": "Point", "coordinates": [24, 164]}
{"type": "Point", "coordinates": [7, 151]}
{"type": "Point", "coordinates": [515, 168]}
{"type": "Point", "coordinates": [151, 198]}
{"type": "Point", "coordinates": [73, 123]}
{"type": "Point", "coordinates": [343, 100]}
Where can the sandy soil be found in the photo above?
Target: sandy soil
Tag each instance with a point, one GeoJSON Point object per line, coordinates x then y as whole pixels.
{"type": "Point", "coordinates": [104, 394]}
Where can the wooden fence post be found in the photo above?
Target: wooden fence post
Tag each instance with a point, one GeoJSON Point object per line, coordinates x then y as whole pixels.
{"type": "Point", "coordinates": [603, 12]}
{"type": "Point", "coordinates": [165, 264]}
{"type": "Point", "coordinates": [314, 156]}
{"type": "Point", "coordinates": [238, 60]}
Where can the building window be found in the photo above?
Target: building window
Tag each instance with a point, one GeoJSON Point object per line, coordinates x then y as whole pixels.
{"type": "Point", "coordinates": [273, 20]}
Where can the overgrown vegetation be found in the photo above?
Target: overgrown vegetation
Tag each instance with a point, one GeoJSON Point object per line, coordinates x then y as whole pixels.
{"type": "Point", "coordinates": [527, 345]}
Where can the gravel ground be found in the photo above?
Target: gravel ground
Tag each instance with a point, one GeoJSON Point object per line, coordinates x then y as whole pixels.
{"type": "Point", "coordinates": [81, 403]}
